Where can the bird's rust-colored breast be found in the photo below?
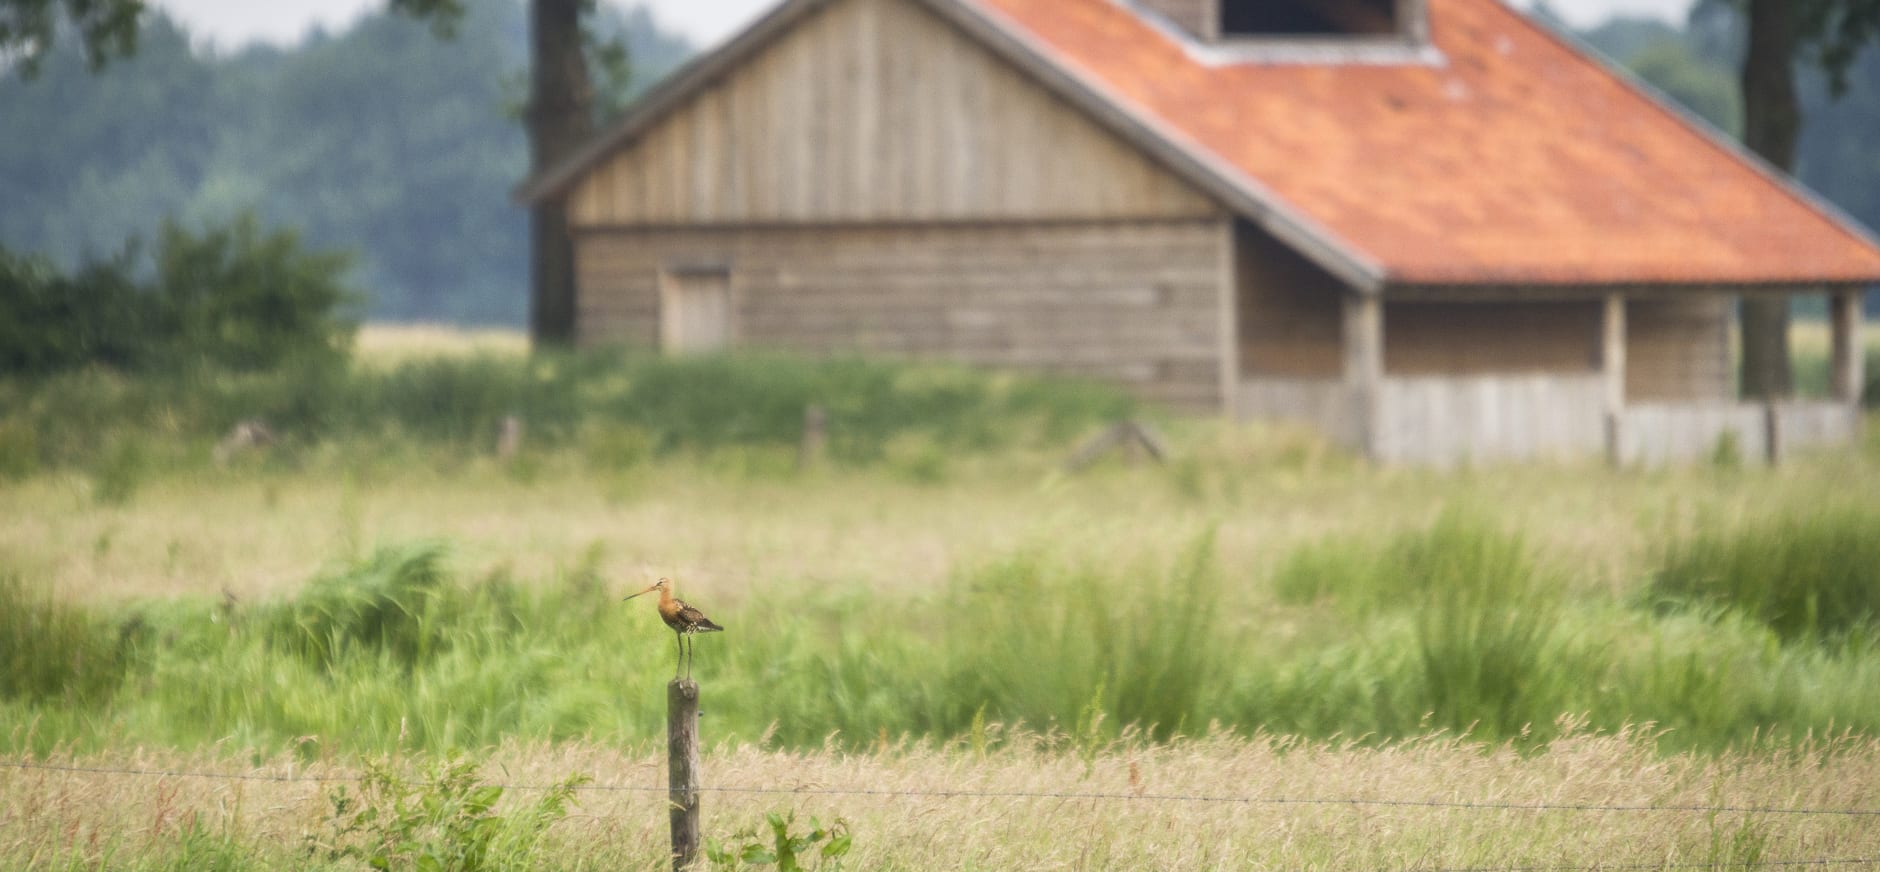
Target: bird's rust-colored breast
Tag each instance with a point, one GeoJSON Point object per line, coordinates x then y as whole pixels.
{"type": "Point", "coordinates": [684, 618]}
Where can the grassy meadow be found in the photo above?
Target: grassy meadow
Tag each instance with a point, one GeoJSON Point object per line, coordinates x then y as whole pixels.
{"type": "Point", "coordinates": [933, 605]}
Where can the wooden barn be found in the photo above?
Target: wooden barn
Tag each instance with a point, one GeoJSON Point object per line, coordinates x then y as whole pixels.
{"type": "Point", "coordinates": [1430, 227]}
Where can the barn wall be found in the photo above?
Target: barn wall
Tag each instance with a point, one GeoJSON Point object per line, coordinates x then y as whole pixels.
{"type": "Point", "coordinates": [1136, 303]}
{"type": "Point", "coordinates": [1290, 310]}
{"type": "Point", "coordinates": [1484, 338]}
{"type": "Point", "coordinates": [876, 110]}
{"type": "Point", "coordinates": [1678, 350]}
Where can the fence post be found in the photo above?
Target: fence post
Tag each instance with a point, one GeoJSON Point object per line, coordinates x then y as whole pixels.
{"type": "Point", "coordinates": [682, 787]}
{"type": "Point", "coordinates": [815, 437]}
{"type": "Point", "coordinates": [1772, 431]}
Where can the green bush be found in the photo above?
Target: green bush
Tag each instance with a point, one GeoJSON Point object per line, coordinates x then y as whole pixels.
{"type": "Point", "coordinates": [51, 322]}
{"type": "Point", "coordinates": [241, 299]}
{"type": "Point", "coordinates": [1812, 575]}
{"type": "Point", "coordinates": [446, 820]}
{"type": "Point", "coordinates": [233, 297]}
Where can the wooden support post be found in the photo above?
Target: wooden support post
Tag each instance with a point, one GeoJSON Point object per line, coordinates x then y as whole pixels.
{"type": "Point", "coordinates": [1612, 368]}
{"type": "Point", "coordinates": [1849, 358]}
{"type": "Point", "coordinates": [1772, 430]}
{"type": "Point", "coordinates": [815, 437]}
{"type": "Point", "coordinates": [1364, 367]}
{"type": "Point", "coordinates": [682, 769]}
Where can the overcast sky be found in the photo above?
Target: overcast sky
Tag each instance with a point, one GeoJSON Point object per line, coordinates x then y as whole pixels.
{"type": "Point", "coordinates": [233, 23]}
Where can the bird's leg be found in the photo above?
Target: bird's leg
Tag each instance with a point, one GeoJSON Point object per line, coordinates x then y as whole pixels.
{"type": "Point", "coordinates": [678, 639]}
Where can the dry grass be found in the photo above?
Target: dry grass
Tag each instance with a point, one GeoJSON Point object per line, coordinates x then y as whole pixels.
{"type": "Point", "coordinates": [1134, 826]}
{"type": "Point", "coordinates": [385, 344]}
{"type": "Point", "coordinates": [1265, 491]}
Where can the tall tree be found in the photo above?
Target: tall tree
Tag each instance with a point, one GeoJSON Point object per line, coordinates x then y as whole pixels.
{"type": "Point", "coordinates": [1830, 33]}
{"type": "Point", "coordinates": [560, 117]}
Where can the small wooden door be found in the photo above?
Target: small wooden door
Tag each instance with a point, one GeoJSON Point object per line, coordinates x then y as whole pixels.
{"type": "Point", "coordinates": [694, 310]}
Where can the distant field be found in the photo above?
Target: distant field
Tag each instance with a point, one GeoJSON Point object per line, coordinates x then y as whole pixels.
{"type": "Point", "coordinates": [385, 343]}
{"type": "Point", "coordinates": [915, 612]}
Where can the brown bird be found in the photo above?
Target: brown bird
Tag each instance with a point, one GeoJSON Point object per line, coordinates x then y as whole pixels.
{"type": "Point", "coordinates": [684, 620]}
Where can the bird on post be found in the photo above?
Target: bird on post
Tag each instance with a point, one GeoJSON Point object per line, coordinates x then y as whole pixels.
{"type": "Point", "coordinates": [685, 621]}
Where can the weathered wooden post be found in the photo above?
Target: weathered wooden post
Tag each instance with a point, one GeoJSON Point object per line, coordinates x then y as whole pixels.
{"type": "Point", "coordinates": [1612, 371]}
{"type": "Point", "coordinates": [815, 437]}
{"type": "Point", "coordinates": [682, 769]}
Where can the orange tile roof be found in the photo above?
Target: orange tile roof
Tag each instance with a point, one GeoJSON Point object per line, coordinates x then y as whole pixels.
{"type": "Point", "coordinates": [1515, 160]}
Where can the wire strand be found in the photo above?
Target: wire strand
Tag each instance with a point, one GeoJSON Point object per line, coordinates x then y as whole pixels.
{"type": "Point", "coordinates": [1016, 794]}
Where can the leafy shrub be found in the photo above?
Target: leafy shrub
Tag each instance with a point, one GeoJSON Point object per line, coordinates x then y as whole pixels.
{"type": "Point", "coordinates": [232, 297]}
{"type": "Point", "coordinates": [1813, 575]}
{"type": "Point", "coordinates": [446, 821]}
{"type": "Point", "coordinates": [784, 847]}
{"type": "Point", "coordinates": [51, 322]}
{"type": "Point", "coordinates": [242, 299]}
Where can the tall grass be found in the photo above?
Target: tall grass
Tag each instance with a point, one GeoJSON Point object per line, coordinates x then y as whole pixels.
{"type": "Point", "coordinates": [55, 653]}
{"type": "Point", "coordinates": [1458, 626]}
{"type": "Point", "coordinates": [1469, 603]}
{"type": "Point", "coordinates": [455, 405]}
{"type": "Point", "coordinates": [1813, 575]}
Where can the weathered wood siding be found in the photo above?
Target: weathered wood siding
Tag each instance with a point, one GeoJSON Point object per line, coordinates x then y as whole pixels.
{"type": "Point", "coordinates": [1327, 405]}
{"type": "Point", "coordinates": [1657, 434]}
{"type": "Point", "coordinates": [1454, 420]}
{"type": "Point", "coordinates": [1443, 420]}
{"type": "Point", "coordinates": [1489, 338]}
{"type": "Point", "coordinates": [1290, 310]}
{"type": "Point", "coordinates": [1678, 350]}
{"type": "Point", "coordinates": [1137, 303]}
{"type": "Point", "coordinates": [874, 110]}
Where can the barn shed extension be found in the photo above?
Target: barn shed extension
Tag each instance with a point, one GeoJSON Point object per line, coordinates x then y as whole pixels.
{"type": "Point", "coordinates": [1431, 228]}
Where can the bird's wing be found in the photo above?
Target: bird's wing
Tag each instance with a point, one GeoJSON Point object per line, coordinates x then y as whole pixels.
{"type": "Point", "coordinates": [695, 618]}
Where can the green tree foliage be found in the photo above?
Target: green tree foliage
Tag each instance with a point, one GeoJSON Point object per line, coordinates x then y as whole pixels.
{"type": "Point", "coordinates": [28, 29]}
{"type": "Point", "coordinates": [382, 140]}
{"type": "Point", "coordinates": [1669, 60]}
{"type": "Point", "coordinates": [235, 298]}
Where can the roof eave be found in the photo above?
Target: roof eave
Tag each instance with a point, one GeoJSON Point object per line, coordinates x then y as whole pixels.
{"type": "Point", "coordinates": [1718, 138]}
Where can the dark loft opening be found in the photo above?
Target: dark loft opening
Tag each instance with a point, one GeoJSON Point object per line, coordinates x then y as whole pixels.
{"type": "Point", "coordinates": [1308, 17]}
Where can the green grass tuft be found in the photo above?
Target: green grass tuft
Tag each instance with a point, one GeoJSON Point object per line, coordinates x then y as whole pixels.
{"type": "Point", "coordinates": [53, 652]}
{"type": "Point", "coordinates": [1813, 575]}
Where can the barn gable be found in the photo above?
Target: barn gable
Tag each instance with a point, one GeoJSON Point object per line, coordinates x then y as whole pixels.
{"type": "Point", "coordinates": [869, 110]}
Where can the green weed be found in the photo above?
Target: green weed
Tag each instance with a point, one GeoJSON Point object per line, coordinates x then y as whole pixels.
{"type": "Point", "coordinates": [447, 820]}
{"type": "Point", "coordinates": [785, 849]}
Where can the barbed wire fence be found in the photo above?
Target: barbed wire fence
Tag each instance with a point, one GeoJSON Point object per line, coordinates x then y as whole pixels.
{"type": "Point", "coordinates": [1872, 862]}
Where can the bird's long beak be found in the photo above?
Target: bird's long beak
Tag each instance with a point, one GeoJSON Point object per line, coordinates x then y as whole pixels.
{"type": "Point", "coordinates": [648, 590]}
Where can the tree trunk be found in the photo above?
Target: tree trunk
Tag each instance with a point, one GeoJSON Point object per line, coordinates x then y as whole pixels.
{"type": "Point", "coordinates": [1772, 122]}
{"type": "Point", "coordinates": [559, 120]}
